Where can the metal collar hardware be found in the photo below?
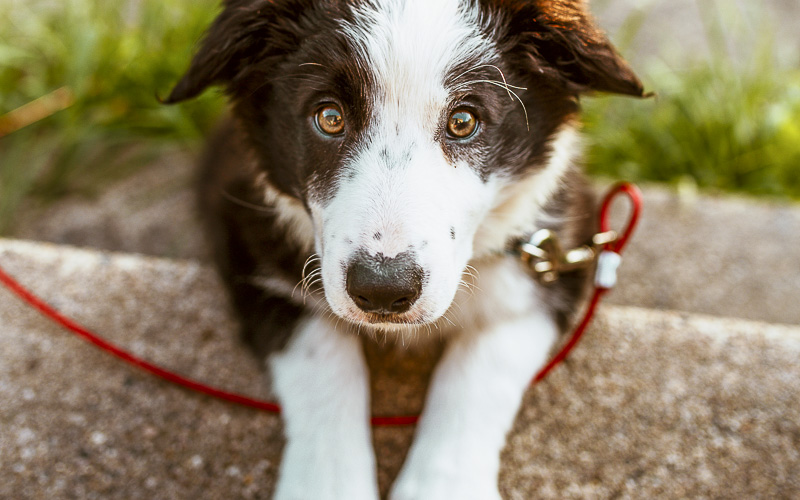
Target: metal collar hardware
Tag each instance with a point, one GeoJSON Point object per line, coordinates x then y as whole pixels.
{"type": "Point", "coordinates": [547, 260]}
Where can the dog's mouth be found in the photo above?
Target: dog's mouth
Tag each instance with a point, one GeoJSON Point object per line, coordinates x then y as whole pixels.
{"type": "Point", "coordinates": [378, 319]}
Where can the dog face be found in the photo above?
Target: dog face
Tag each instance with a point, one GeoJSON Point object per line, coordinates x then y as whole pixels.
{"type": "Point", "coordinates": [415, 135]}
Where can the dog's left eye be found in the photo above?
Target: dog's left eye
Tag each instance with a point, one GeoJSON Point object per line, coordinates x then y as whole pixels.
{"type": "Point", "coordinates": [330, 120]}
{"type": "Point", "coordinates": [461, 124]}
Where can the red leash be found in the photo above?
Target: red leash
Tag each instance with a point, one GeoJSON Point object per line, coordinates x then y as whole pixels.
{"type": "Point", "coordinates": [615, 247]}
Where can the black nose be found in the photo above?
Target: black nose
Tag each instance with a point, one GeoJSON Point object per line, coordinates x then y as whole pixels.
{"type": "Point", "coordinates": [384, 285]}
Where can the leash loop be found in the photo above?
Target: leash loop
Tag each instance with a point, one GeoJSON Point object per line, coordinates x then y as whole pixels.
{"type": "Point", "coordinates": [635, 197]}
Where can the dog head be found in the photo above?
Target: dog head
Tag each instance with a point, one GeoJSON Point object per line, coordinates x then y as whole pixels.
{"type": "Point", "coordinates": [415, 135]}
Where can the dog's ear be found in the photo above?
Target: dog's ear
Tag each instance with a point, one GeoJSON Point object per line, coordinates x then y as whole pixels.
{"type": "Point", "coordinates": [559, 39]}
{"type": "Point", "coordinates": [237, 36]}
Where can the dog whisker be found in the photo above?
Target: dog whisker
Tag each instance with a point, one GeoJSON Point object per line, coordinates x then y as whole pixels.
{"type": "Point", "coordinates": [497, 83]}
{"type": "Point", "coordinates": [473, 278]}
{"type": "Point", "coordinates": [504, 84]}
{"type": "Point", "coordinates": [304, 282]}
{"type": "Point", "coordinates": [470, 285]}
{"type": "Point", "coordinates": [469, 275]}
{"type": "Point", "coordinates": [511, 92]}
{"type": "Point", "coordinates": [316, 281]}
{"type": "Point", "coordinates": [242, 203]}
{"type": "Point", "coordinates": [502, 75]}
{"type": "Point", "coordinates": [465, 287]}
{"type": "Point", "coordinates": [313, 274]}
{"type": "Point", "coordinates": [309, 292]}
{"type": "Point", "coordinates": [444, 317]}
{"type": "Point", "coordinates": [456, 304]}
{"type": "Point", "coordinates": [457, 317]}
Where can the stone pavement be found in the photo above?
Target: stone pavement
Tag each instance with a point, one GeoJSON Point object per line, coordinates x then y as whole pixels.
{"type": "Point", "coordinates": [651, 405]}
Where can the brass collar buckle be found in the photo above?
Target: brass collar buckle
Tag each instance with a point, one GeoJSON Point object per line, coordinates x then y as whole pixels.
{"type": "Point", "coordinates": [547, 260]}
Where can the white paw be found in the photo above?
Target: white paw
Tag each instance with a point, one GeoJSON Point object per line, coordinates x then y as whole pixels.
{"type": "Point", "coordinates": [325, 480]}
{"type": "Point", "coordinates": [432, 485]}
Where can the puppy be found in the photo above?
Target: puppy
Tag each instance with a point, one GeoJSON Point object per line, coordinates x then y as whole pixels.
{"type": "Point", "coordinates": [384, 160]}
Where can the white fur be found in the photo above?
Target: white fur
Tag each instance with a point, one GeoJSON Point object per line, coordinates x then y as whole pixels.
{"type": "Point", "coordinates": [499, 289]}
{"type": "Point", "coordinates": [322, 384]}
{"type": "Point", "coordinates": [471, 404]}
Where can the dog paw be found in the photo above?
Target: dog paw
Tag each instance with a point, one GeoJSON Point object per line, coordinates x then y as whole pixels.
{"type": "Point", "coordinates": [433, 486]}
{"type": "Point", "coordinates": [325, 488]}
{"type": "Point", "coordinates": [320, 473]}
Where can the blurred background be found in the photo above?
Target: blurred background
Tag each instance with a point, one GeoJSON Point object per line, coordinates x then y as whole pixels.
{"type": "Point", "coordinates": [79, 79]}
{"type": "Point", "coordinates": [688, 407]}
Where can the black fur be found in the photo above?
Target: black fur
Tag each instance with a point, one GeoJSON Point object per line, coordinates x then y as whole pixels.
{"type": "Point", "coordinates": [247, 242]}
{"type": "Point", "coordinates": [573, 206]}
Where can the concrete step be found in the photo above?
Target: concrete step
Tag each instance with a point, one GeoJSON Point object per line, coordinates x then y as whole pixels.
{"type": "Point", "coordinates": [652, 404]}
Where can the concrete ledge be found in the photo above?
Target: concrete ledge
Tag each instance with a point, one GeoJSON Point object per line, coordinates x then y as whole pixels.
{"type": "Point", "coordinates": [651, 405]}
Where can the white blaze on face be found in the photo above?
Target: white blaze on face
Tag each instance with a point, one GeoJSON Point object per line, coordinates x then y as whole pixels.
{"type": "Point", "coordinates": [403, 194]}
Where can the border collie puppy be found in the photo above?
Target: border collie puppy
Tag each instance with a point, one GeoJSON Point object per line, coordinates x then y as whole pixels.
{"type": "Point", "coordinates": [384, 159]}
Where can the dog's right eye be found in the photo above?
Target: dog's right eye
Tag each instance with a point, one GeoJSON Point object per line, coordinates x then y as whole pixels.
{"type": "Point", "coordinates": [330, 120]}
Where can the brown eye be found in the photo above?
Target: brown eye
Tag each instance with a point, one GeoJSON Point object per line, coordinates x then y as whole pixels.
{"type": "Point", "coordinates": [461, 124]}
{"type": "Point", "coordinates": [330, 120]}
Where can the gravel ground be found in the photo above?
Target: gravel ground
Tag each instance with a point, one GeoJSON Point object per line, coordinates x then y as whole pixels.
{"type": "Point", "coordinates": [722, 255]}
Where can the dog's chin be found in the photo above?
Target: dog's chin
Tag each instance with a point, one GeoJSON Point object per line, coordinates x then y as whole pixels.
{"type": "Point", "coordinates": [385, 322]}
{"type": "Point", "coordinates": [389, 323]}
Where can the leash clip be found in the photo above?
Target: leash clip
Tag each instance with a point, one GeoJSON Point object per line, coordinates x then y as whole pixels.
{"type": "Point", "coordinates": [544, 256]}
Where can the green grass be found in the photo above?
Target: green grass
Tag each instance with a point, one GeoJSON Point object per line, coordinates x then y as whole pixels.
{"type": "Point", "coordinates": [114, 56]}
{"type": "Point", "coordinates": [721, 130]}
{"type": "Point", "coordinates": [723, 125]}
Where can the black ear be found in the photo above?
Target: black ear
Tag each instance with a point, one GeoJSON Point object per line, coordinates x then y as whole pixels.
{"type": "Point", "coordinates": [559, 38]}
{"type": "Point", "coordinates": [233, 39]}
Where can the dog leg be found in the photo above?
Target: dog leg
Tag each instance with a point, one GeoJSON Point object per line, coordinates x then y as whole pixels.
{"type": "Point", "coordinates": [471, 405]}
{"type": "Point", "coordinates": [321, 380]}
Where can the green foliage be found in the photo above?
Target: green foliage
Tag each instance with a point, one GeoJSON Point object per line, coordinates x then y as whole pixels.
{"type": "Point", "coordinates": [725, 129]}
{"type": "Point", "coordinates": [726, 123]}
{"type": "Point", "coordinates": [114, 56]}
